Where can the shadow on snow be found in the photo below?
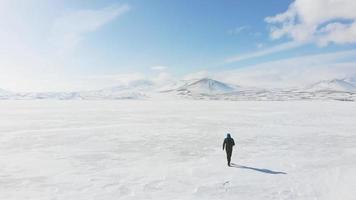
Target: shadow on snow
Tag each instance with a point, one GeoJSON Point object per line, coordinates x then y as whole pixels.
{"type": "Point", "coordinates": [267, 171]}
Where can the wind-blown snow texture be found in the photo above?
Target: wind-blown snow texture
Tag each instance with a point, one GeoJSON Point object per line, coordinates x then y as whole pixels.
{"type": "Point", "coordinates": [83, 150]}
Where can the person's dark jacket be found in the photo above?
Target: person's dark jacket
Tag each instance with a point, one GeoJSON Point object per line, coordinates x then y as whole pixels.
{"type": "Point", "coordinates": [228, 143]}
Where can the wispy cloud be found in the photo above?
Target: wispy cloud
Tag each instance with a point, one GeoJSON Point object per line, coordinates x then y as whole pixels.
{"type": "Point", "coordinates": [33, 55]}
{"type": "Point", "coordinates": [238, 30]}
{"type": "Point", "coordinates": [263, 52]}
{"type": "Point", "coordinates": [69, 29]}
{"type": "Point", "coordinates": [295, 71]}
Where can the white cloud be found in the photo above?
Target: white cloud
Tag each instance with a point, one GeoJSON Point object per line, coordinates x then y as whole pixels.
{"type": "Point", "coordinates": [305, 21]}
{"type": "Point", "coordinates": [159, 68]}
{"type": "Point", "coordinates": [69, 29]}
{"type": "Point", "coordinates": [319, 21]}
{"type": "Point", "coordinates": [294, 71]}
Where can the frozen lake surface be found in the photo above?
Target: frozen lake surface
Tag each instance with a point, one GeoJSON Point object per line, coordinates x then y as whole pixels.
{"type": "Point", "coordinates": [106, 150]}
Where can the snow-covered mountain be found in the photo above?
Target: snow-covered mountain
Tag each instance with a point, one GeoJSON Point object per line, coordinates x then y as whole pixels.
{"type": "Point", "coordinates": [113, 94]}
{"type": "Point", "coordinates": [47, 95]}
{"type": "Point", "coordinates": [132, 90]}
{"type": "Point", "coordinates": [4, 94]}
{"type": "Point", "coordinates": [206, 86]}
{"type": "Point", "coordinates": [173, 86]}
{"type": "Point", "coordinates": [336, 85]}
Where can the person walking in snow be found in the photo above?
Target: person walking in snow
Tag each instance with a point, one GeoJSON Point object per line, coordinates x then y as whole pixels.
{"type": "Point", "coordinates": [228, 145]}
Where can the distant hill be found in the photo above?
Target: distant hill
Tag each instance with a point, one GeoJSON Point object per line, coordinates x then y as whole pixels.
{"type": "Point", "coordinates": [4, 94]}
{"type": "Point", "coordinates": [207, 86]}
{"type": "Point", "coordinates": [338, 85]}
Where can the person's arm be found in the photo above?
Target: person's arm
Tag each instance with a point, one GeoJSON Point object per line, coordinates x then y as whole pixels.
{"type": "Point", "coordinates": [233, 142]}
{"type": "Point", "coordinates": [224, 144]}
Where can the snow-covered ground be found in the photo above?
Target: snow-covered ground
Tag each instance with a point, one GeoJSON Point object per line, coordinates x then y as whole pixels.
{"type": "Point", "coordinates": [105, 150]}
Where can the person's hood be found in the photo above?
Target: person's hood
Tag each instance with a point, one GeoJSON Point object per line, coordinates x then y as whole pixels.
{"type": "Point", "coordinates": [228, 135]}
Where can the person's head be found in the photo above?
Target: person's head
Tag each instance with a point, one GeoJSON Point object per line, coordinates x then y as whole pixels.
{"type": "Point", "coordinates": [228, 135]}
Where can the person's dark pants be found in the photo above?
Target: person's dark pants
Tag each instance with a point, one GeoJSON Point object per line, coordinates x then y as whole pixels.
{"type": "Point", "coordinates": [228, 155]}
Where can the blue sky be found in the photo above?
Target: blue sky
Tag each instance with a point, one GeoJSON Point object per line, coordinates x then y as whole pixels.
{"type": "Point", "coordinates": [74, 45]}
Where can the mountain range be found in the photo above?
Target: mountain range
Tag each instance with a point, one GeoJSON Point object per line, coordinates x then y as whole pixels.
{"type": "Point", "coordinates": [205, 88]}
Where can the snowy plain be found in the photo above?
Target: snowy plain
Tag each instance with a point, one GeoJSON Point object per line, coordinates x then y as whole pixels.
{"type": "Point", "coordinates": [172, 149]}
